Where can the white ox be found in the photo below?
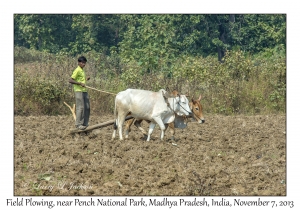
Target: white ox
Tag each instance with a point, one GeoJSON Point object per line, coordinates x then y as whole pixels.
{"type": "Point", "coordinates": [157, 107]}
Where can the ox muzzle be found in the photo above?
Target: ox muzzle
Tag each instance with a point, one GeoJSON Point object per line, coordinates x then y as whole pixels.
{"type": "Point", "coordinates": [199, 120]}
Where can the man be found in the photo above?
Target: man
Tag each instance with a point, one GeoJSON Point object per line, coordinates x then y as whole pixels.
{"type": "Point", "coordinates": [78, 79]}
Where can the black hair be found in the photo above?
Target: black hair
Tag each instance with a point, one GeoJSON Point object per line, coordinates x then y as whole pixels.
{"type": "Point", "coordinates": [82, 59]}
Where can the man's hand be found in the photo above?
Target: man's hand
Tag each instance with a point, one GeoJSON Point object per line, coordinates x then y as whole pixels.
{"type": "Point", "coordinates": [82, 84]}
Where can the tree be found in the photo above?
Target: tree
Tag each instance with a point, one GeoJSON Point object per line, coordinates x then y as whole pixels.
{"type": "Point", "coordinates": [43, 32]}
{"type": "Point", "coordinates": [151, 40]}
{"type": "Point", "coordinates": [262, 31]}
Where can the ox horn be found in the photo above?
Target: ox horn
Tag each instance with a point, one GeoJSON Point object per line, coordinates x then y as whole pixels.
{"type": "Point", "coordinates": [167, 95]}
{"type": "Point", "coordinates": [200, 97]}
{"type": "Point", "coordinates": [175, 93]}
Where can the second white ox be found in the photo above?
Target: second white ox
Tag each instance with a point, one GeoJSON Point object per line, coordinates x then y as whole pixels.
{"type": "Point", "coordinates": [156, 107]}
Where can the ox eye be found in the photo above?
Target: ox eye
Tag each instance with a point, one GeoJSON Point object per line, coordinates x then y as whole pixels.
{"type": "Point", "coordinates": [197, 108]}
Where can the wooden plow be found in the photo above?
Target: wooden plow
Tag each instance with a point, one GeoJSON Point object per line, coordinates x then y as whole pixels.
{"type": "Point", "coordinates": [89, 128]}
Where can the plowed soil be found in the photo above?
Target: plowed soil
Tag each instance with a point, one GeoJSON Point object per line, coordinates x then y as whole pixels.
{"type": "Point", "coordinates": [227, 155]}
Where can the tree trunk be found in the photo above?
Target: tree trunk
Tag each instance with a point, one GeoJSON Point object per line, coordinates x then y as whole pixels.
{"type": "Point", "coordinates": [232, 18]}
{"type": "Point", "coordinates": [221, 51]}
{"type": "Point", "coordinates": [220, 54]}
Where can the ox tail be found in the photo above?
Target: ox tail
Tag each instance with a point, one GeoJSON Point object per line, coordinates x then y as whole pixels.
{"type": "Point", "coordinates": [115, 125]}
{"type": "Point", "coordinates": [116, 115]}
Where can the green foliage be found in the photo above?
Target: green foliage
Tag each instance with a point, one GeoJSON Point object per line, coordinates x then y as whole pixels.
{"type": "Point", "coordinates": [262, 31]}
{"type": "Point", "coordinates": [236, 60]}
{"type": "Point", "coordinates": [241, 84]}
{"type": "Point", "coordinates": [43, 32]}
{"type": "Point", "coordinates": [66, 33]}
{"type": "Point", "coordinates": [150, 39]}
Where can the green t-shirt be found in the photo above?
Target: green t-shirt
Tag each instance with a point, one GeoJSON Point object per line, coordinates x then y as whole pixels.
{"type": "Point", "coordinates": [79, 76]}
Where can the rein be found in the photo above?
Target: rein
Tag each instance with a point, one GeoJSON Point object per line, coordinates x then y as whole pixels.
{"type": "Point", "coordinates": [168, 104]}
{"type": "Point", "coordinates": [183, 107]}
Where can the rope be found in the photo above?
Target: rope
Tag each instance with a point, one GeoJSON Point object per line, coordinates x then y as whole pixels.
{"type": "Point", "coordinates": [101, 90]}
{"type": "Point", "coordinates": [168, 104]}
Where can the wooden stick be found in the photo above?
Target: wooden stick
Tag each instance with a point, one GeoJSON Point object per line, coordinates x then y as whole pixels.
{"type": "Point", "coordinates": [72, 110]}
{"type": "Point", "coordinates": [89, 128]}
{"type": "Point", "coordinates": [101, 90]}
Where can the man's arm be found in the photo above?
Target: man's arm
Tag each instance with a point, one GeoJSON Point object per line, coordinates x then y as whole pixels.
{"type": "Point", "coordinates": [72, 81]}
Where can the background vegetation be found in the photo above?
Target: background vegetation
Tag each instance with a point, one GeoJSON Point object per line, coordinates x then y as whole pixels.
{"type": "Point", "coordinates": [237, 62]}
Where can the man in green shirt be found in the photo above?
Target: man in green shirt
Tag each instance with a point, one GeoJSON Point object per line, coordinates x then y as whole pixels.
{"type": "Point", "coordinates": [78, 79]}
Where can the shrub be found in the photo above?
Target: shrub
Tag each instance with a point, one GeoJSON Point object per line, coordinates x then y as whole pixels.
{"type": "Point", "coordinates": [241, 84]}
{"type": "Point", "coordinates": [37, 96]}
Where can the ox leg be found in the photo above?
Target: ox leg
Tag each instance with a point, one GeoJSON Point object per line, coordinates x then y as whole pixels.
{"type": "Point", "coordinates": [172, 128]}
{"type": "Point", "coordinates": [115, 129]}
{"type": "Point", "coordinates": [161, 125]}
{"type": "Point", "coordinates": [127, 127]}
{"type": "Point", "coordinates": [114, 134]}
{"type": "Point", "coordinates": [121, 120]}
{"type": "Point", "coordinates": [171, 125]}
{"type": "Point", "coordinates": [137, 123]}
{"type": "Point", "coordinates": [151, 128]}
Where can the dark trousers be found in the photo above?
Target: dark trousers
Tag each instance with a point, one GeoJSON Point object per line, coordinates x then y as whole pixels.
{"type": "Point", "coordinates": [82, 108]}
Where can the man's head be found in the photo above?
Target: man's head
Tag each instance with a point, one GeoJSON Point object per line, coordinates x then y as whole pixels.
{"type": "Point", "coordinates": [82, 61]}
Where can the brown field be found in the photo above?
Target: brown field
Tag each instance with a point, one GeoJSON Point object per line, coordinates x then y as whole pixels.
{"type": "Point", "coordinates": [228, 155]}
